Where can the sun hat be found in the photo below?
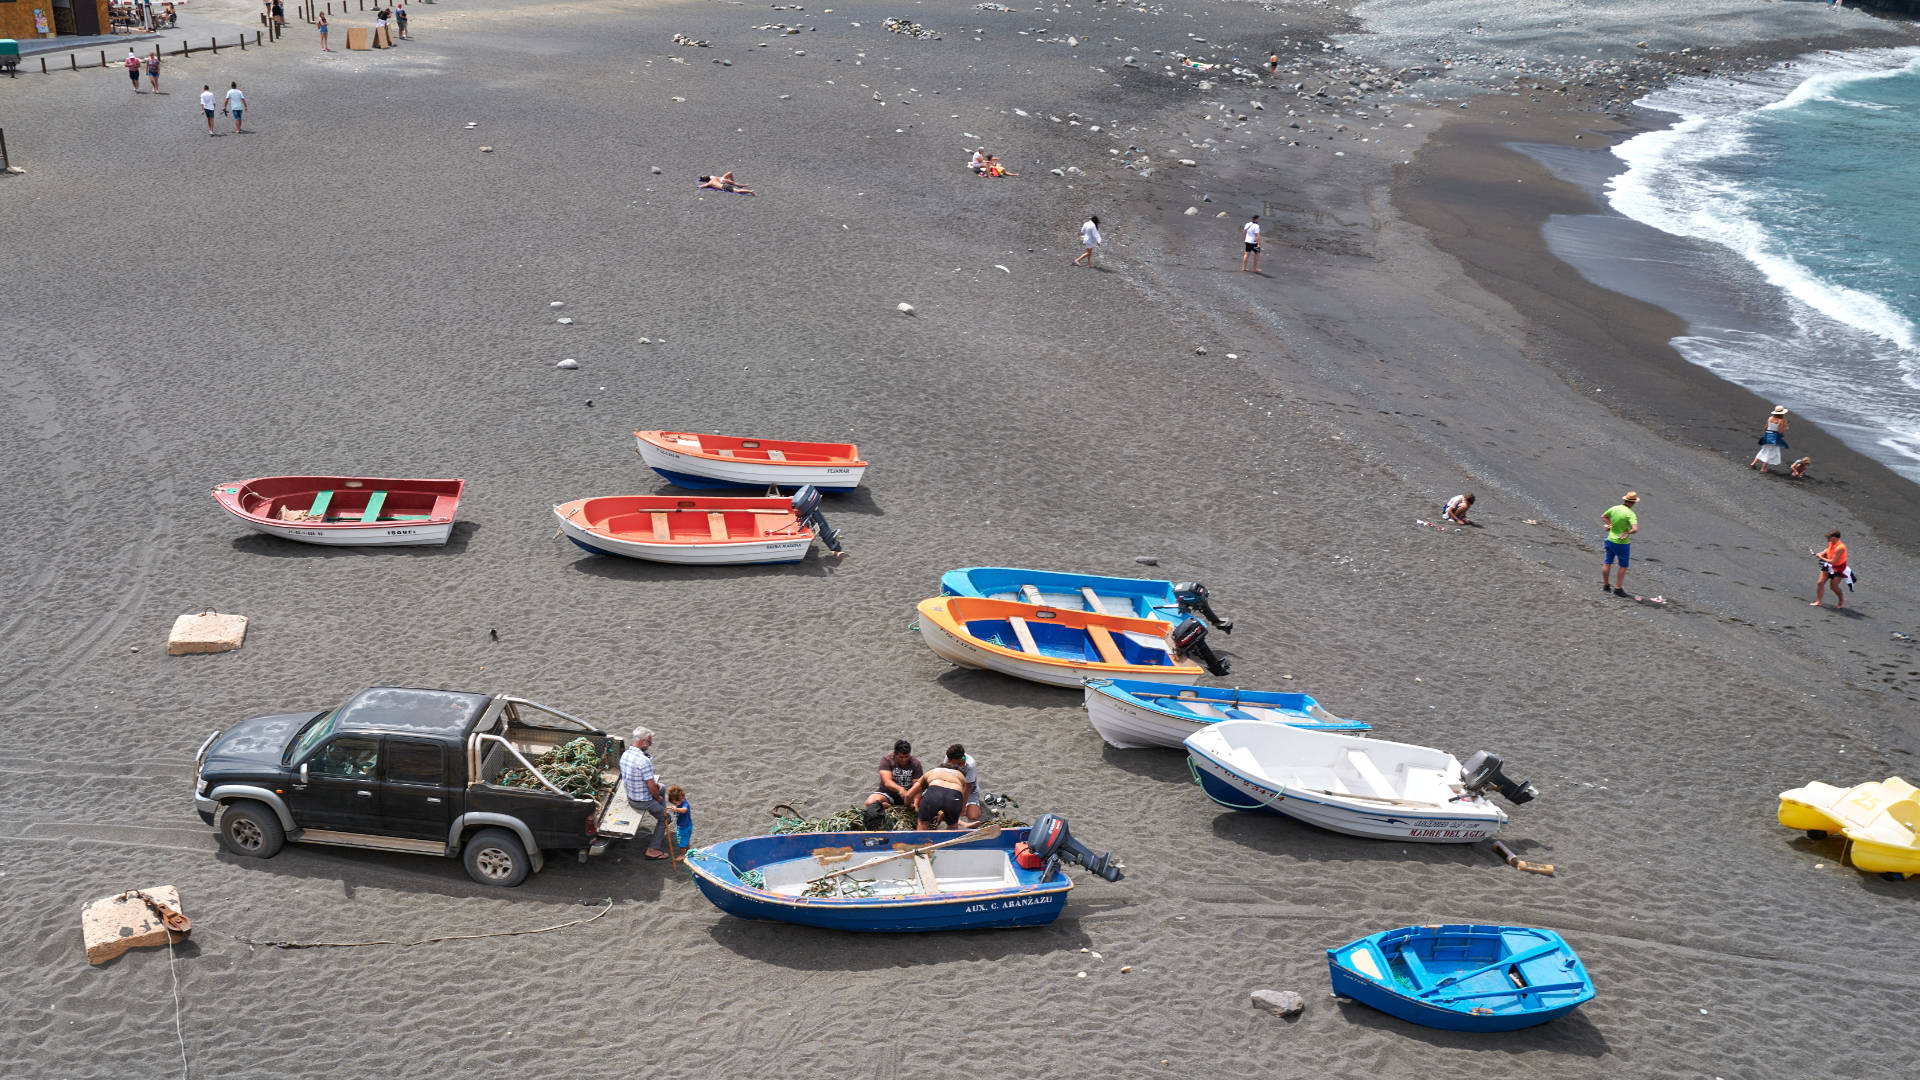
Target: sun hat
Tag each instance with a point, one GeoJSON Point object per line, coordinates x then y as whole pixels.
{"type": "Point", "coordinates": [1779, 410]}
{"type": "Point", "coordinates": [1630, 498]}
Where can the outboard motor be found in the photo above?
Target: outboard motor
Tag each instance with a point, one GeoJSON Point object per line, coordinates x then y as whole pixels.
{"type": "Point", "coordinates": [806, 507]}
{"type": "Point", "coordinates": [1482, 773]}
{"type": "Point", "coordinates": [1189, 636]}
{"type": "Point", "coordinates": [1048, 838]}
{"type": "Point", "coordinates": [1193, 597]}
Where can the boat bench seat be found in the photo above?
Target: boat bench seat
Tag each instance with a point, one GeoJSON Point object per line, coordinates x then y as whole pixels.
{"type": "Point", "coordinates": [1319, 779]}
{"type": "Point", "coordinates": [1371, 778]}
{"type": "Point", "coordinates": [374, 503]}
{"type": "Point", "coordinates": [1427, 785]}
{"type": "Point", "coordinates": [320, 503]}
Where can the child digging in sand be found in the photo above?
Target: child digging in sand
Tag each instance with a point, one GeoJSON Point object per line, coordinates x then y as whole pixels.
{"type": "Point", "coordinates": [681, 838]}
{"type": "Point", "coordinates": [1799, 468]}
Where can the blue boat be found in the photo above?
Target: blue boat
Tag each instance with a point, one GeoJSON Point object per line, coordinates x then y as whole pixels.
{"type": "Point", "coordinates": [1134, 713]}
{"type": "Point", "coordinates": [1137, 598]}
{"type": "Point", "coordinates": [897, 881]}
{"type": "Point", "coordinates": [1463, 977]}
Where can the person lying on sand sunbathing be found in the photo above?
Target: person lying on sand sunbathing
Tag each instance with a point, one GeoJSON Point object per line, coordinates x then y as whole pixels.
{"type": "Point", "coordinates": [724, 182]}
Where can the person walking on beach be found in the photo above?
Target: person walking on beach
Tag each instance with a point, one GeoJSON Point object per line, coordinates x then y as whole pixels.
{"type": "Point", "coordinates": [236, 103]}
{"type": "Point", "coordinates": [1090, 238]}
{"type": "Point", "coordinates": [153, 69]}
{"type": "Point", "coordinates": [1833, 568]}
{"type": "Point", "coordinates": [133, 69]}
{"type": "Point", "coordinates": [1251, 233]}
{"type": "Point", "coordinates": [643, 788]}
{"type": "Point", "coordinates": [400, 19]}
{"type": "Point", "coordinates": [1772, 440]}
{"type": "Point", "coordinates": [279, 15]}
{"type": "Point", "coordinates": [1621, 524]}
{"type": "Point", "coordinates": [207, 104]}
{"type": "Point", "coordinates": [1273, 64]}
{"type": "Point", "coordinates": [321, 22]}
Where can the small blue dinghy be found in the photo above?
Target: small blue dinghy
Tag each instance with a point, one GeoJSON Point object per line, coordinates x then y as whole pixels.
{"type": "Point", "coordinates": [1134, 713]}
{"type": "Point", "coordinates": [1463, 977]}
{"type": "Point", "coordinates": [1136, 598]}
{"type": "Point", "coordinates": [899, 881]}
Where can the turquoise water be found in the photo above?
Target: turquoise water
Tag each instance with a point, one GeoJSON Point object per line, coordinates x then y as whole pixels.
{"type": "Point", "coordinates": [1807, 174]}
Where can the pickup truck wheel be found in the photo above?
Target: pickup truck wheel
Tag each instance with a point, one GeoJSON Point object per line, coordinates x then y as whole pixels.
{"type": "Point", "coordinates": [496, 857]}
{"type": "Point", "coordinates": [250, 829]}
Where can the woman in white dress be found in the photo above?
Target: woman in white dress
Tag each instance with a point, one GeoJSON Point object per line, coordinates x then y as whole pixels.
{"type": "Point", "coordinates": [1772, 441]}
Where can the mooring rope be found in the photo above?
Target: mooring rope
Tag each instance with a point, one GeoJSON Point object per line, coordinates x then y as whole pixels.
{"type": "Point", "coordinates": [179, 1030]}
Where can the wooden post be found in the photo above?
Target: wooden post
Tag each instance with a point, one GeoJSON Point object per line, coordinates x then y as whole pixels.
{"type": "Point", "coordinates": [72, 61]}
{"type": "Point", "coordinates": [43, 65]}
{"type": "Point", "coordinates": [4, 163]}
{"type": "Point", "coordinates": [216, 44]}
{"type": "Point", "coordinates": [103, 58]}
{"type": "Point", "coordinates": [185, 49]}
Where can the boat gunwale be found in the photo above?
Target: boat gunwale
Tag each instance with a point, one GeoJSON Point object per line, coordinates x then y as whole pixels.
{"type": "Point", "coordinates": [851, 459]}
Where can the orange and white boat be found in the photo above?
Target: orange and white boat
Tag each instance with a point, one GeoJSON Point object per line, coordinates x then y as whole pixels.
{"type": "Point", "coordinates": [702, 531]}
{"type": "Point", "coordinates": [725, 461]}
{"type": "Point", "coordinates": [1062, 646]}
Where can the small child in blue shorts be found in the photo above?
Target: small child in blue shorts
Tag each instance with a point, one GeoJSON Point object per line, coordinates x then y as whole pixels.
{"type": "Point", "coordinates": [682, 820]}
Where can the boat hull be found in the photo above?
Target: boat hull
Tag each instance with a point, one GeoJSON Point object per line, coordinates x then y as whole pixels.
{"type": "Point", "coordinates": [1128, 722]}
{"type": "Point", "coordinates": [1492, 1000]}
{"type": "Point", "coordinates": [422, 535]}
{"type": "Point", "coordinates": [1237, 791]}
{"type": "Point", "coordinates": [728, 553]}
{"type": "Point", "coordinates": [702, 472]}
{"type": "Point", "coordinates": [964, 652]}
{"type": "Point", "coordinates": [1138, 598]}
{"type": "Point", "coordinates": [718, 871]}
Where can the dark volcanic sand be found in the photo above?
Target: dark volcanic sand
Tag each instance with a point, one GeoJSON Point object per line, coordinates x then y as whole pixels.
{"type": "Point", "coordinates": [357, 288]}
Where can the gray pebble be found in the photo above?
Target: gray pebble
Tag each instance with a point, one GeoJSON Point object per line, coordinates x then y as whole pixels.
{"type": "Point", "coordinates": [1279, 1002]}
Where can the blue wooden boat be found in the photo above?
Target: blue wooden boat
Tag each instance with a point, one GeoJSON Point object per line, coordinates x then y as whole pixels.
{"type": "Point", "coordinates": [953, 881]}
{"type": "Point", "coordinates": [1463, 977]}
{"type": "Point", "coordinates": [1134, 713]}
{"type": "Point", "coordinates": [1137, 598]}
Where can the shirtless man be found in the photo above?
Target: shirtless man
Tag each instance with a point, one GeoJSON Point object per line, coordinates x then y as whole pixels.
{"type": "Point", "coordinates": [941, 794]}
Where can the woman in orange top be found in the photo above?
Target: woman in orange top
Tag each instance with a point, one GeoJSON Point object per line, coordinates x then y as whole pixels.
{"type": "Point", "coordinates": [1833, 567]}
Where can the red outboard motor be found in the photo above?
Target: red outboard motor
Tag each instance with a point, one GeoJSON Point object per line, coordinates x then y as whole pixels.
{"type": "Point", "coordinates": [1189, 636]}
{"type": "Point", "coordinates": [806, 507]}
{"type": "Point", "coordinates": [1192, 597]}
{"type": "Point", "coordinates": [1048, 838]}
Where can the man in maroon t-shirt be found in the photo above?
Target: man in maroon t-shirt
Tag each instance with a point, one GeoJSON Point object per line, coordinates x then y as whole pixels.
{"type": "Point", "coordinates": [898, 771]}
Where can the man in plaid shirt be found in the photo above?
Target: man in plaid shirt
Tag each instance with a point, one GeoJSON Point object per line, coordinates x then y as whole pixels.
{"type": "Point", "coordinates": [643, 789]}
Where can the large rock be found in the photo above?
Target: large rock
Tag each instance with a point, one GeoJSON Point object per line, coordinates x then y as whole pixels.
{"type": "Point", "coordinates": [1279, 1002]}
{"type": "Point", "coordinates": [114, 924]}
{"type": "Point", "coordinates": [206, 632]}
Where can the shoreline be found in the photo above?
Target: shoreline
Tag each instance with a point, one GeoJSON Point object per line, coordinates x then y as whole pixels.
{"type": "Point", "coordinates": [1595, 336]}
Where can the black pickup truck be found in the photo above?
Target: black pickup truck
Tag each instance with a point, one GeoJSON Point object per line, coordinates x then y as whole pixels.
{"type": "Point", "coordinates": [398, 769]}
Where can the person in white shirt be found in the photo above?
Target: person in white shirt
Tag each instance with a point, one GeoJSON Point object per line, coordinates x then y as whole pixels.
{"type": "Point", "coordinates": [236, 102]}
{"type": "Point", "coordinates": [1251, 232]}
{"type": "Point", "coordinates": [1090, 236]}
{"type": "Point", "coordinates": [1457, 507]}
{"type": "Point", "coordinates": [208, 103]}
{"type": "Point", "coordinates": [978, 163]}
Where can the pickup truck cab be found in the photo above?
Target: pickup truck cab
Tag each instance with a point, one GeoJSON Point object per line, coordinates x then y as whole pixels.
{"type": "Point", "coordinates": [398, 769]}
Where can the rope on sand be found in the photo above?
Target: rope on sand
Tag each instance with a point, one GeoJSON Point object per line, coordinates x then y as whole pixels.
{"type": "Point", "coordinates": [423, 941]}
{"type": "Point", "coordinates": [179, 1031]}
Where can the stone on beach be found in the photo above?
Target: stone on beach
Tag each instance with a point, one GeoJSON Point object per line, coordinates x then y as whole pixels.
{"type": "Point", "coordinates": [1191, 211]}
{"type": "Point", "coordinates": [904, 309]}
{"type": "Point", "coordinates": [114, 924]}
{"type": "Point", "coordinates": [207, 632]}
{"type": "Point", "coordinates": [564, 321]}
{"type": "Point", "coordinates": [568, 364]}
{"type": "Point", "coordinates": [1279, 1002]}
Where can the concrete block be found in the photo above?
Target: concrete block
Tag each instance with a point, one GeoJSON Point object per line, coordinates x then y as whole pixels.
{"type": "Point", "coordinates": [114, 924]}
{"type": "Point", "coordinates": [206, 632]}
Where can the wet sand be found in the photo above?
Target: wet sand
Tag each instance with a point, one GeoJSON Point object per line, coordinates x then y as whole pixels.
{"type": "Point", "coordinates": [357, 288]}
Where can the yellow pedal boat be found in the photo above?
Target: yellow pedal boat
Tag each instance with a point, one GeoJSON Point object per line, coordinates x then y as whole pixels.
{"type": "Point", "coordinates": [1881, 822]}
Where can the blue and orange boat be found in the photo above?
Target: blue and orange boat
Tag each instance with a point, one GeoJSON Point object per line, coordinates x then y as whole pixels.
{"type": "Point", "coordinates": [899, 881]}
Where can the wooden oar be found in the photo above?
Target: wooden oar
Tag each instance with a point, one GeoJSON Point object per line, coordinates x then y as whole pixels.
{"type": "Point", "coordinates": [985, 832]}
{"type": "Point", "coordinates": [1517, 958]}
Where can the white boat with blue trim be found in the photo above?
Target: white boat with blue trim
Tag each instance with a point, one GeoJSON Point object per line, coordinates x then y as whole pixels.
{"type": "Point", "coordinates": [1347, 784]}
{"type": "Point", "coordinates": [1133, 714]}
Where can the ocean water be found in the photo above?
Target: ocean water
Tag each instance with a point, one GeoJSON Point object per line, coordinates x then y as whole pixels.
{"type": "Point", "coordinates": [1807, 179]}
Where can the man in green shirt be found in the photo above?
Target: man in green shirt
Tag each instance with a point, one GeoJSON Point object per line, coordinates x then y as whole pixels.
{"type": "Point", "coordinates": [1621, 524]}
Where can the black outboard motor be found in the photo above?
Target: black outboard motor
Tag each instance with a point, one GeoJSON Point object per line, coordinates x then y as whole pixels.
{"type": "Point", "coordinates": [1049, 838]}
{"type": "Point", "coordinates": [1189, 635]}
{"type": "Point", "coordinates": [1482, 773]}
{"type": "Point", "coordinates": [806, 507]}
{"type": "Point", "coordinates": [1193, 597]}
